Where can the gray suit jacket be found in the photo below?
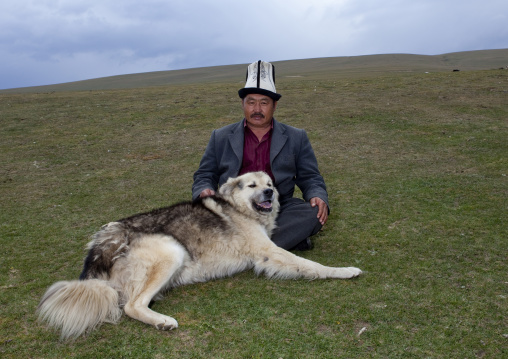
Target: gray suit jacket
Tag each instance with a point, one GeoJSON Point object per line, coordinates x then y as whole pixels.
{"type": "Point", "coordinates": [292, 161]}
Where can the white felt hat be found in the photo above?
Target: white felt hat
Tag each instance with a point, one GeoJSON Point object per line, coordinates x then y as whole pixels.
{"type": "Point", "coordinates": [260, 80]}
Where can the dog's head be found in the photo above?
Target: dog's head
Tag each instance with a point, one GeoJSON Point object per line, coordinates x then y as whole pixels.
{"type": "Point", "coordinates": [253, 191]}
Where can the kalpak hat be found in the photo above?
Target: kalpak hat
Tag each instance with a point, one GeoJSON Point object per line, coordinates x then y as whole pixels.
{"type": "Point", "coordinates": [260, 80]}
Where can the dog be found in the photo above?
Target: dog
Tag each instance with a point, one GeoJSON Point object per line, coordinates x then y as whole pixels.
{"type": "Point", "coordinates": [133, 261]}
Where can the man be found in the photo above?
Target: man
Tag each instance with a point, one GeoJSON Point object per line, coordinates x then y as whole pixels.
{"type": "Point", "coordinates": [260, 143]}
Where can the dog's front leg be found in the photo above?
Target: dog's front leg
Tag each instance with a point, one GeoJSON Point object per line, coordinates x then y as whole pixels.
{"type": "Point", "coordinates": [276, 262]}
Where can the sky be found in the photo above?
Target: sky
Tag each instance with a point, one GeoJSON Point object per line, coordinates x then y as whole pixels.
{"type": "Point", "coordinates": [45, 42]}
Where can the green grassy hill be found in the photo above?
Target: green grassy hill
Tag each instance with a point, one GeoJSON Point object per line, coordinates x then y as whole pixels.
{"type": "Point", "coordinates": [416, 167]}
{"type": "Point", "coordinates": [321, 67]}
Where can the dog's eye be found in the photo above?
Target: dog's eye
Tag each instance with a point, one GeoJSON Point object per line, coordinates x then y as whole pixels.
{"type": "Point", "coordinates": [252, 185]}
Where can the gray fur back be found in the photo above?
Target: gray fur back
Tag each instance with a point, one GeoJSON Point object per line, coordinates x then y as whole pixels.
{"type": "Point", "coordinates": [186, 222]}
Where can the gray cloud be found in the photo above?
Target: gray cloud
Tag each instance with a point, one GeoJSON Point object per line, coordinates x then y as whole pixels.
{"type": "Point", "coordinates": [45, 42]}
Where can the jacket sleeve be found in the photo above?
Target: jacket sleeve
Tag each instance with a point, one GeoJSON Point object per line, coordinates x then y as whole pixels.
{"type": "Point", "coordinates": [308, 177]}
{"type": "Point", "coordinates": [207, 175]}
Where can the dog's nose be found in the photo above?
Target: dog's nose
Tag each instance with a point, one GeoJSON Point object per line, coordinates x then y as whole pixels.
{"type": "Point", "coordinates": [268, 192]}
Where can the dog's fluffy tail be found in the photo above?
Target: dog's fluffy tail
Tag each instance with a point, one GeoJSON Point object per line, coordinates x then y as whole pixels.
{"type": "Point", "coordinates": [77, 307]}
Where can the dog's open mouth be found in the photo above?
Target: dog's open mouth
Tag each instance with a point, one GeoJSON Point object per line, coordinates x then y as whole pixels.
{"type": "Point", "coordinates": [265, 206]}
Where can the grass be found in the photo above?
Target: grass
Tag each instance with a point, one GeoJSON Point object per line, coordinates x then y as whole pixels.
{"type": "Point", "coordinates": [416, 167]}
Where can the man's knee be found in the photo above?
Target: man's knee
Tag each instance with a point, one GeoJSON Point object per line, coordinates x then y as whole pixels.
{"type": "Point", "coordinates": [300, 218]}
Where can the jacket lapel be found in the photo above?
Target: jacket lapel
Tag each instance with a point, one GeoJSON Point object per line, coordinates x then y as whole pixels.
{"type": "Point", "coordinates": [236, 140]}
{"type": "Point", "coordinates": [278, 141]}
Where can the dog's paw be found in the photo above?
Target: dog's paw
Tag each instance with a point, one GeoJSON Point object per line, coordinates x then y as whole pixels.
{"type": "Point", "coordinates": [168, 324]}
{"type": "Point", "coordinates": [355, 271]}
{"type": "Point", "coordinates": [346, 272]}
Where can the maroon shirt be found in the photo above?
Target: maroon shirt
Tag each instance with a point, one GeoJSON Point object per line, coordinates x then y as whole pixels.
{"type": "Point", "coordinates": [256, 154]}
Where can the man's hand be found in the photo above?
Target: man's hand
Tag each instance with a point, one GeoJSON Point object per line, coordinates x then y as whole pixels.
{"type": "Point", "coordinates": [207, 193]}
{"type": "Point", "coordinates": [322, 209]}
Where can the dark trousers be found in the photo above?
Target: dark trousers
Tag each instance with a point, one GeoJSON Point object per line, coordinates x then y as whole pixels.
{"type": "Point", "coordinates": [296, 221]}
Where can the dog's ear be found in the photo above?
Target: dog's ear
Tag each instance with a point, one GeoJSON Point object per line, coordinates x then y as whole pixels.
{"type": "Point", "coordinates": [227, 188]}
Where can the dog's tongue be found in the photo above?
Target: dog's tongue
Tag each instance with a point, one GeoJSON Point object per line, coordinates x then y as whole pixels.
{"type": "Point", "coordinates": [267, 204]}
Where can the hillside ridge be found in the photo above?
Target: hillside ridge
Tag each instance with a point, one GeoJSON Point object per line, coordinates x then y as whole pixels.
{"type": "Point", "coordinates": [345, 66]}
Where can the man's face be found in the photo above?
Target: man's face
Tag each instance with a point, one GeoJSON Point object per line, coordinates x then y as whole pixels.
{"type": "Point", "coordinates": [258, 110]}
